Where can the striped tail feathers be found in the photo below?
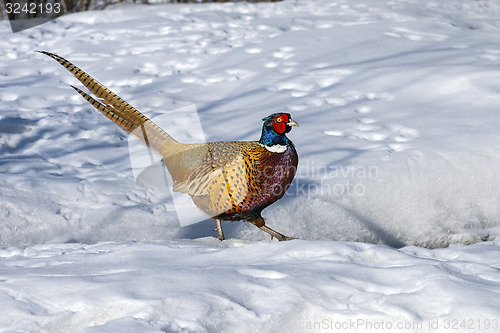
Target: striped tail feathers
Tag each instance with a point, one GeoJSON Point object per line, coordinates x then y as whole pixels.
{"type": "Point", "coordinates": [144, 130]}
{"type": "Point", "coordinates": [117, 110]}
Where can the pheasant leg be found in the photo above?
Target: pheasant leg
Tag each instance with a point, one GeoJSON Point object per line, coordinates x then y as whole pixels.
{"type": "Point", "coordinates": [260, 223]}
{"type": "Point", "coordinates": [220, 235]}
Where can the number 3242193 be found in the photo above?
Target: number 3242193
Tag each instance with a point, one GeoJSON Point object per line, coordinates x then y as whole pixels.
{"type": "Point", "coordinates": [33, 8]}
{"type": "Point", "coordinates": [471, 324]}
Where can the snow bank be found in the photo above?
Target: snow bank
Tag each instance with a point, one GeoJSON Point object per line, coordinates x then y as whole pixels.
{"type": "Point", "coordinates": [209, 286]}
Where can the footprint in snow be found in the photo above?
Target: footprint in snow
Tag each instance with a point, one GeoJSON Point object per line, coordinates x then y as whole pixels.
{"type": "Point", "coordinates": [15, 125]}
{"type": "Point", "coordinates": [262, 274]}
{"type": "Point", "coordinates": [415, 36]}
{"type": "Point", "coordinates": [253, 50]}
{"type": "Point", "coordinates": [313, 87]}
{"type": "Point", "coordinates": [393, 137]}
{"type": "Point", "coordinates": [490, 55]}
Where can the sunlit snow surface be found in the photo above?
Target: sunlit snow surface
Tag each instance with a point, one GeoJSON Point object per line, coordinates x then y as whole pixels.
{"type": "Point", "coordinates": [398, 104]}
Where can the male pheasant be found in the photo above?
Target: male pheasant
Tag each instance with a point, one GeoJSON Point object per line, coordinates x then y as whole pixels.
{"type": "Point", "coordinates": [228, 180]}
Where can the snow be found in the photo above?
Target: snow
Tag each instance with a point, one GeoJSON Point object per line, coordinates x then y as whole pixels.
{"type": "Point", "coordinates": [241, 286]}
{"type": "Point", "coordinates": [397, 104]}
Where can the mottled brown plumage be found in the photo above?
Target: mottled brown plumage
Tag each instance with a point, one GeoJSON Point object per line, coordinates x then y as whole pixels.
{"type": "Point", "coordinates": [228, 180]}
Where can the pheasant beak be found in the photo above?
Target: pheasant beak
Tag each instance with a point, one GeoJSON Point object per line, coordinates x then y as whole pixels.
{"type": "Point", "coordinates": [292, 122]}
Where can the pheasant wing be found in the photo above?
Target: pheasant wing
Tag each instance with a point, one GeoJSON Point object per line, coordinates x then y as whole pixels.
{"type": "Point", "coordinates": [214, 174]}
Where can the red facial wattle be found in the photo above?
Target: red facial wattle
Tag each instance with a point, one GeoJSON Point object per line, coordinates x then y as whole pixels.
{"type": "Point", "coordinates": [279, 123]}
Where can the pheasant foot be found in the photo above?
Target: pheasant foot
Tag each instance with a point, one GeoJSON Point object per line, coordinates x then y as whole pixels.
{"type": "Point", "coordinates": [276, 234]}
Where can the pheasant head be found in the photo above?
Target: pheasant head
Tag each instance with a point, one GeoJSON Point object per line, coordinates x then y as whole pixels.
{"type": "Point", "coordinates": [274, 131]}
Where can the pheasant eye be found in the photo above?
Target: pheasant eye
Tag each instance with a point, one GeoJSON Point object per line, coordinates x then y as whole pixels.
{"type": "Point", "coordinates": [278, 120]}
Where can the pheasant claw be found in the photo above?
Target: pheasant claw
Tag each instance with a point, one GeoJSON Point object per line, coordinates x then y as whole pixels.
{"type": "Point", "coordinates": [274, 233]}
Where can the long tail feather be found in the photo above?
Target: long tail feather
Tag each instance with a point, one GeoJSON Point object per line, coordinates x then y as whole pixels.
{"type": "Point", "coordinates": [116, 109]}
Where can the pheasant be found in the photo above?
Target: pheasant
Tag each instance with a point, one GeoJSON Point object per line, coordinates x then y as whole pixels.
{"type": "Point", "coordinates": [228, 180]}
